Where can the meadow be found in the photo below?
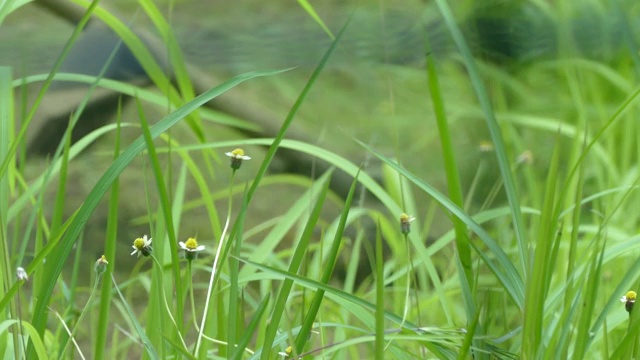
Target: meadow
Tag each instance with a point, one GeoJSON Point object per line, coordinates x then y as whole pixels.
{"type": "Point", "coordinates": [489, 210]}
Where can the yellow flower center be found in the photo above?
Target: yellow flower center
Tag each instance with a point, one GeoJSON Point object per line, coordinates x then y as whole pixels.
{"type": "Point", "coordinates": [405, 219]}
{"type": "Point", "coordinates": [191, 244]}
{"type": "Point", "coordinates": [138, 243]}
{"type": "Point", "coordinates": [238, 152]}
{"type": "Point", "coordinates": [631, 295]}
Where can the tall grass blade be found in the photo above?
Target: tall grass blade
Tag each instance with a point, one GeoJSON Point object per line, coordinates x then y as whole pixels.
{"type": "Point", "coordinates": [111, 239]}
{"type": "Point", "coordinates": [314, 307]}
{"type": "Point", "coordinates": [6, 131]}
{"type": "Point", "coordinates": [251, 328]}
{"type": "Point", "coordinates": [494, 129]}
{"type": "Point", "coordinates": [542, 267]}
{"type": "Point", "coordinates": [294, 266]}
{"type": "Point", "coordinates": [165, 206]}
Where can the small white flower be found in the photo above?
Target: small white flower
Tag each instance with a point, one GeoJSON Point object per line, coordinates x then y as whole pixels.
{"type": "Point", "coordinates": [191, 248]}
{"type": "Point", "coordinates": [142, 246]}
{"type": "Point", "coordinates": [237, 156]}
{"type": "Point", "coordinates": [22, 274]}
{"type": "Point", "coordinates": [405, 223]}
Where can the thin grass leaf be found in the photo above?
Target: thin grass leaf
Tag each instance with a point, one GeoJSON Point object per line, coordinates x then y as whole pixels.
{"type": "Point", "coordinates": [314, 15]}
{"type": "Point", "coordinates": [543, 265]}
{"type": "Point", "coordinates": [148, 95]}
{"type": "Point", "coordinates": [111, 240]}
{"type": "Point", "coordinates": [494, 130]}
{"type": "Point", "coordinates": [380, 336]}
{"type": "Point", "coordinates": [148, 346]}
{"type": "Point", "coordinates": [451, 168]}
{"type": "Point", "coordinates": [27, 120]}
{"type": "Point", "coordinates": [294, 266]}
{"type": "Point", "coordinates": [6, 130]}
{"type": "Point", "coordinates": [176, 61]}
{"type": "Point", "coordinates": [253, 324]}
{"type": "Point", "coordinates": [165, 206]}
{"type": "Point", "coordinates": [314, 307]}
{"type": "Point", "coordinates": [34, 338]}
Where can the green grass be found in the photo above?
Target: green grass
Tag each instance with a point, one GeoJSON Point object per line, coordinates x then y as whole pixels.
{"type": "Point", "coordinates": [522, 250]}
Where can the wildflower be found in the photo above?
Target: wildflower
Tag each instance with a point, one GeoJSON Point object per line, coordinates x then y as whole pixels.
{"type": "Point", "coordinates": [237, 156]}
{"type": "Point", "coordinates": [629, 299]}
{"type": "Point", "coordinates": [101, 265]}
{"type": "Point", "coordinates": [22, 274]}
{"type": "Point", "coordinates": [405, 223]}
{"type": "Point", "coordinates": [287, 352]}
{"type": "Point", "coordinates": [485, 146]}
{"type": "Point", "coordinates": [191, 248]}
{"type": "Point", "coordinates": [142, 246]}
{"type": "Point", "coordinates": [525, 158]}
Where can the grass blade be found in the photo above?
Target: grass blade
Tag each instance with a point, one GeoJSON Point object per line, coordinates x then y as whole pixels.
{"type": "Point", "coordinates": [296, 260]}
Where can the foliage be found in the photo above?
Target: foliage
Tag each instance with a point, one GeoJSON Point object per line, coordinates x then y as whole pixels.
{"type": "Point", "coordinates": [525, 254]}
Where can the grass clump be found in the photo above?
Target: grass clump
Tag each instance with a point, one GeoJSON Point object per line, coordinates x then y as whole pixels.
{"type": "Point", "coordinates": [530, 252]}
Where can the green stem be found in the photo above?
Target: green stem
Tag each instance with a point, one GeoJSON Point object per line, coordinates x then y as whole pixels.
{"type": "Point", "coordinates": [166, 304]}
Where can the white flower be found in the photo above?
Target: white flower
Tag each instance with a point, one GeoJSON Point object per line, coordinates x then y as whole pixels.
{"type": "Point", "coordinates": [237, 156]}
{"type": "Point", "coordinates": [142, 246]}
{"type": "Point", "coordinates": [191, 248]}
{"type": "Point", "coordinates": [22, 274]}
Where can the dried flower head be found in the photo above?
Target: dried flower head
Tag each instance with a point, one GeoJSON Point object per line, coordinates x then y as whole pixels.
{"type": "Point", "coordinates": [142, 246]}
{"type": "Point", "coordinates": [191, 248]}
{"type": "Point", "coordinates": [405, 223]}
{"type": "Point", "coordinates": [237, 156]}
{"type": "Point", "coordinates": [629, 299]}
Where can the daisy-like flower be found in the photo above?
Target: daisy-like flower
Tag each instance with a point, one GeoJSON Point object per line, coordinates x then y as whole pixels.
{"type": "Point", "coordinates": [191, 248]}
{"type": "Point", "coordinates": [405, 223]}
{"type": "Point", "coordinates": [287, 352]}
{"type": "Point", "coordinates": [237, 156]}
{"type": "Point", "coordinates": [142, 246]}
{"type": "Point", "coordinates": [22, 274]}
{"type": "Point", "coordinates": [629, 299]}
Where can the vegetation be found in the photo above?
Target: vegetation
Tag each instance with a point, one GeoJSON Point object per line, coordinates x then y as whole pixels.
{"type": "Point", "coordinates": [504, 223]}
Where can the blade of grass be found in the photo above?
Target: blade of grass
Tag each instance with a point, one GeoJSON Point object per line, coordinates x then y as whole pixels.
{"type": "Point", "coordinates": [314, 307]}
{"type": "Point", "coordinates": [165, 206]}
{"type": "Point", "coordinates": [380, 341]}
{"type": "Point", "coordinates": [294, 266]}
{"type": "Point", "coordinates": [27, 120]}
{"type": "Point", "coordinates": [151, 351]}
{"type": "Point", "coordinates": [451, 169]}
{"type": "Point", "coordinates": [6, 130]}
{"type": "Point", "coordinates": [253, 324]}
{"type": "Point", "coordinates": [111, 238]}
{"type": "Point", "coordinates": [543, 265]}
{"type": "Point", "coordinates": [494, 130]}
